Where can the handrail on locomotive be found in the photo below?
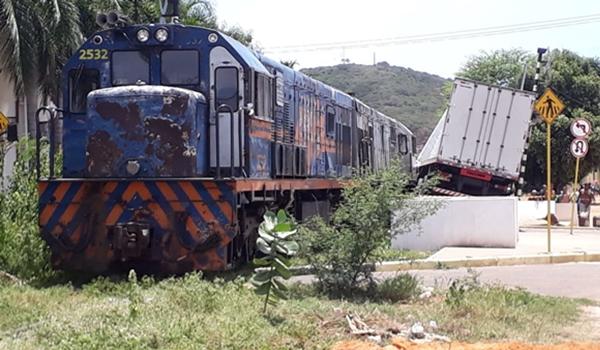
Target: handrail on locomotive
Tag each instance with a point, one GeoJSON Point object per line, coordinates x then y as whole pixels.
{"type": "Point", "coordinates": [53, 113]}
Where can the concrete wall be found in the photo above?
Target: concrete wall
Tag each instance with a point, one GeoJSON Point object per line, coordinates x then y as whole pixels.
{"type": "Point", "coordinates": [10, 157]}
{"type": "Point", "coordinates": [465, 222]}
{"type": "Point", "coordinates": [530, 212]}
{"type": "Point", "coordinates": [563, 211]}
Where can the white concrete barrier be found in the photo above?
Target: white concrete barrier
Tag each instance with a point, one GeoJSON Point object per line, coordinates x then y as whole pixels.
{"type": "Point", "coordinates": [465, 222]}
{"type": "Point", "coordinates": [563, 211]}
{"type": "Point", "coordinates": [530, 212]}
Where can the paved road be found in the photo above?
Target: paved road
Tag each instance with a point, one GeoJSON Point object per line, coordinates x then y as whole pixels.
{"type": "Point", "coordinates": [574, 280]}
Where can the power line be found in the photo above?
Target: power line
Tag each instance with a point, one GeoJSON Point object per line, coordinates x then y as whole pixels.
{"type": "Point", "coordinates": [442, 36]}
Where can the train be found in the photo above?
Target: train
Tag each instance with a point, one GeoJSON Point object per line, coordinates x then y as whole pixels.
{"type": "Point", "coordinates": [175, 141]}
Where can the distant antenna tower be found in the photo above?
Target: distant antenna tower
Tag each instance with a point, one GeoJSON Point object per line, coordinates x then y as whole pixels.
{"type": "Point", "coordinates": [344, 59]}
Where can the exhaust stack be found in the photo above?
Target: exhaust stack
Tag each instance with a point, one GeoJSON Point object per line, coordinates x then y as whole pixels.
{"type": "Point", "coordinates": [169, 9]}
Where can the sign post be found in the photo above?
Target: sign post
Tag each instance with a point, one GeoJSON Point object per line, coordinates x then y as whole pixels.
{"type": "Point", "coordinates": [549, 106]}
{"type": "Point", "coordinates": [580, 129]}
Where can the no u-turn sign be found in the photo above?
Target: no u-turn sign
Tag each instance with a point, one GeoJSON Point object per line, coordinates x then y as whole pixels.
{"type": "Point", "coordinates": [579, 147]}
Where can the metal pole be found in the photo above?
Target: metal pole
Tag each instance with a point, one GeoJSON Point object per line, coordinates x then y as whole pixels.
{"type": "Point", "coordinates": [231, 144]}
{"type": "Point", "coordinates": [548, 184]}
{"type": "Point", "coordinates": [525, 75]}
{"type": "Point", "coordinates": [575, 191]}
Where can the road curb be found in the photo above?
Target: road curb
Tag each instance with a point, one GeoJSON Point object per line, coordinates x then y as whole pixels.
{"type": "Point", "coordinates": [442, 264]}
{"type": "Point", "coordinates": [562, 227]}
{"type": "Point", "coordinates": [552, 258]}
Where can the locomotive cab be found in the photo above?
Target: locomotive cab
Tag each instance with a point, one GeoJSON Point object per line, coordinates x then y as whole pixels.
{"type": "Point", "coordinates": [191, 83]}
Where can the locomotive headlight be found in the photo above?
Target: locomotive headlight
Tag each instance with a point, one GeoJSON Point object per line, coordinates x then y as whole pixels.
{"type": "Point", "coordinates": [143, 35]}
{"type": "Point", "coordinates": [161, 35]}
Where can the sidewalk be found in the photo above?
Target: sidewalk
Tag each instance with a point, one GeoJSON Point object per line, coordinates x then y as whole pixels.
{"type": "Point", "coordinates": [532, 248]}
{"type": "Point", "coordinates": [532, 241]}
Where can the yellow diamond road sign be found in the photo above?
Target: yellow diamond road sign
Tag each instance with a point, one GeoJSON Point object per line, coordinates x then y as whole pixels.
{"type": "Point", "coordinates": [3, 123]}
{"type": "Point", "coordinates": [549, 106]}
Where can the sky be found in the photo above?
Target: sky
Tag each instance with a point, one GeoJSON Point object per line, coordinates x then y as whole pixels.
{"type": "Point", "coordinates": [284, 23]}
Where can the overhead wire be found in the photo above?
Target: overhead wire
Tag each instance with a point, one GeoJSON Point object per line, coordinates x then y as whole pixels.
{"type": "Point", "coordinates": [441, 36]}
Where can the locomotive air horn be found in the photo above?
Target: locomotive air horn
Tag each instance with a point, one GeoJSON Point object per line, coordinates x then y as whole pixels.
{"type": "Point", "coordinates": [102, 20]}
{"type": "Point", "coordinates": [114, 18]}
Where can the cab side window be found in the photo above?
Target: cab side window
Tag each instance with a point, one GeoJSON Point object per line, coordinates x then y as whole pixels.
{"type": "Point", "coordinates": [81, 83]}
{"type": "Point", "coordinates": [264, 96]}
{"type": "Point", "coordinates": [330, 121]}
{"type": "Point", "coordinates": [403, 143]}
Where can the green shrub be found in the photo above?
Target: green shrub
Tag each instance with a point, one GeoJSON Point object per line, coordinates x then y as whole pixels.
{"type": "Point", "coordinates": [402, 287]}
{"type": "Point", "coordinates": [22, 251]}
{"type": "Point", "coordinates": [459, 288]}
{"type": "Point", "coordinates": [360, 228]}
{"type": "Point", "coordinates": [275, 242]}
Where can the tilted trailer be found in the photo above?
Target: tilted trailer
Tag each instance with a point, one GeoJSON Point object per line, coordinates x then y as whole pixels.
{"type": "Point", "coordinates": [478, 144]}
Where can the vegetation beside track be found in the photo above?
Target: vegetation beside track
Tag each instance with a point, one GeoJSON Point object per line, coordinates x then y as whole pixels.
{"type": "Point", "coordinates": [195, 313]}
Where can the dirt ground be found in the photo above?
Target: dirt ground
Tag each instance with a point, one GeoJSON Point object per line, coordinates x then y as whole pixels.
{"type": "Point", "coordinates": [401, 344]}
{"type": "Point", "coordinates": [587, 329]}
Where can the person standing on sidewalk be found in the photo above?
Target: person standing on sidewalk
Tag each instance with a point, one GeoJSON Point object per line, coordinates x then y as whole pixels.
{"type": "Point", "coordinates": [586, 198]}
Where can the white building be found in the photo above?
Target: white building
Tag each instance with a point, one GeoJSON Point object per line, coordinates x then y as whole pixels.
{"type": "Point", "coordinates": [14, 108]}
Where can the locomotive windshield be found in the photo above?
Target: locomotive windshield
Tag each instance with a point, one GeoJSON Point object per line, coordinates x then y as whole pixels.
{"type": "Point", "coordinates": [179, 67]}
{"type": "Point", "coordinates": [129, 67]}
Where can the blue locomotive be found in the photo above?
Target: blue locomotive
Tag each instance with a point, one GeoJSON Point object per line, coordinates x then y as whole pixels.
{"type": "Point", "coordinates": [176, 139]}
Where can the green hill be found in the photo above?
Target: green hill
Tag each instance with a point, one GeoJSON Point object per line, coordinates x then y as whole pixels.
{"type": "Point", "coordinates": [412, 97]}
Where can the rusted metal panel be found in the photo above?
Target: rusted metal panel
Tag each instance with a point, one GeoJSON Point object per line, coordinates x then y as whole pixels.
{"type": "Point", "coordinates": [243, 185]}
{"type": "Point", "coordinates": [146, 131]}
{"type": "Point", "coordinates": [157, 226]}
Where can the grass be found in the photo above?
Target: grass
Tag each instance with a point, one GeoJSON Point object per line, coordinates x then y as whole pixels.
{"type": "Point", "coordinates": [193, 313]}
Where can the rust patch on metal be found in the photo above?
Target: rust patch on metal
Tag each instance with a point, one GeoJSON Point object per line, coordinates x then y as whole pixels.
{"type": "Point", "coordinates": [175, 105]}
{"type": "Point", "coordinates": [129, 118]}
{"type": "Point", "coordinates": [170, 143]}
{"type": "Point", "coordinates": [102, 153]}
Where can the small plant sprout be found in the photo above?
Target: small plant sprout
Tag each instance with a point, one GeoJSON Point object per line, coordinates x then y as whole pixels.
{"type": "Point", "coordinates": [274, 241]}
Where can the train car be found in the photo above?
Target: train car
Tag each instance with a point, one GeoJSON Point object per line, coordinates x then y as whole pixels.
{"type": "Point", "coordinates": [176, 139]}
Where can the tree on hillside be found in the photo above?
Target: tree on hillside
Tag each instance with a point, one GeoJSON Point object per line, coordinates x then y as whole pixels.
{"type": "Point", "coordinates": [499, 67]}
{"type": "Point", "coordinates": [36, 39]}
{"type": "Point", "coordinates": [575, 79]}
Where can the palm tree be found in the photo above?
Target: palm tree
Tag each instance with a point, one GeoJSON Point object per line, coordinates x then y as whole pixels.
{"type": "Point", "coordinates": [290, 63]}
{"type": "Point", "coordinates": [36, 39]}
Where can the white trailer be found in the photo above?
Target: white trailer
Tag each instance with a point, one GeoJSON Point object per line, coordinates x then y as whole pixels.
{"type": "Point", "coordinates": [478, 144]}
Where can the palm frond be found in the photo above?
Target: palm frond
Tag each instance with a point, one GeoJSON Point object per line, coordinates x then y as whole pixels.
{"type": "Point", "coordinates": [10, 54]}
{"type": "Point", "coordinates": [59, 42]}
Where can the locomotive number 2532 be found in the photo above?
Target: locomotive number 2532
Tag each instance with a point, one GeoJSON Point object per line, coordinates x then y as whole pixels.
{"type": "Point", "coordinates": [93, 54]}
